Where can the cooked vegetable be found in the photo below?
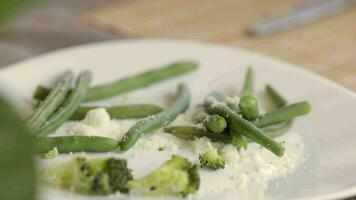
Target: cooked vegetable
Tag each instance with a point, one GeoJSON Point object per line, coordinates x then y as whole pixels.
{"type": "Point", "coordinates": [66, 144]}
{"type": "Point", "coordinates": [248, 107]}
{"type": "Point", "coordinates": [17, 163]}
{"type": "Point", "coordinates": [191, 132]}
{"type": "Point", "coordinates": [215, 123]}
{"type": "Point", "coordinates": [277, 130]}
{"type": "Point", "coordinates": [272, 131]}
{"type": "Point", "coordinates": [211, 159]}
{"type": "Point", "coordinates": [283, 114]}
{"type": "Point", "coordinates": [132, 111]}
{"type": "Point", "coordinates": [249, 83]}
{"type": "Point", "coordinates": [238, 140]}
{"type": "Point", "coordinates": [69, 106]}
{"type": "Point", "coordinates": [242, 126]}
{"type": "Point", "coordinates": [50, 154]}
{"type": "Point", "coordinates": [51, 103]}
{"type": "Point", "coordinates": [157, 121]}
{"type": "Point", "coordinates": [277, 99]}
{"type": "Point", "coordinates": [98, 176]}
{"type": "Point", "coordinates": [176, 176]}
{"type": "Point", "coordinates": [131, 83]}
{"type": "Point", "coordinates": [41, 92]}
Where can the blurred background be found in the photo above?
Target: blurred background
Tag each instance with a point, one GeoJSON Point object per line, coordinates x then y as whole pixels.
{"type": "Point", "coordinates": [319, 35]}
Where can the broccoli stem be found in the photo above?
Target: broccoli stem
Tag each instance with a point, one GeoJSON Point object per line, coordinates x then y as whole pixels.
{"type": "Point", "coordinates": [211, 159]}
{"type": "Point", "coordinates": [238, 140]}
{"type": "Point", "coordinates": [176, 176]}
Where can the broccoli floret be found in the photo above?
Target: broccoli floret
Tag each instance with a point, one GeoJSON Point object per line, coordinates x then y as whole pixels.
{"type": "Point", "coordinates": [177, 176]}
{"type": "Point", "coordinates": [51, 154]}
{"type": "Point", "coordinates": [99, 176]}
{"type": "Point", "coordinates": [211, 159]}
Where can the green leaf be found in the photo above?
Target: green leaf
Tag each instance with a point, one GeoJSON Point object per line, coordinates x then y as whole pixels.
{"type": "Point", "coordinates": [9, 8]}
{"type": "Point", "coordinates": [17, 162]}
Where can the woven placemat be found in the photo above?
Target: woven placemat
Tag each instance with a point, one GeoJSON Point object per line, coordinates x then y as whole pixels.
{"type": "Point", "coordinates": [327, 47]}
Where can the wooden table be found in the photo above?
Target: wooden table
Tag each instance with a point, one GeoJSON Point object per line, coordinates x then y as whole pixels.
{"type": "Point", "coordinates": [327, 47]}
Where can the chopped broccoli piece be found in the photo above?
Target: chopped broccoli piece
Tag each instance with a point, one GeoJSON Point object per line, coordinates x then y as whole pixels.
{"type": "Point", "coordinates": [177, 176]}
{"type": "Point", "coordinates": [212, 159]}
{"type": "Point", "coordinates": [51, 154]}
{"type": "Point", "coordinates": [99, 176]}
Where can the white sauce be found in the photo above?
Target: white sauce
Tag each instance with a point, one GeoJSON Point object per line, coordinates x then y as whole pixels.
{"type": "Point", "coordinates": [245, 176]}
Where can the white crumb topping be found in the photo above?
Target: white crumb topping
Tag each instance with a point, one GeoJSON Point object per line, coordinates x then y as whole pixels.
{"type": "Point", "coordinates": [97, 122]}
{"type": "Point", "coordinates": [230, 155]}
{"type": "Point", "coordinates": [233, 100]}
{"type": "Point", "coordinates": [191, 117]}
{"type": "Point", "coordinates": [97, 118]}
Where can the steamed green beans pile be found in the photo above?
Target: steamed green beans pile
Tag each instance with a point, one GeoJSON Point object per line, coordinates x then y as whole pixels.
{"type": "Point", "coordinates": [69, 105]}
{"type": "Point", "coordinates": [236, 123]}
{"type": "Point", "coordinates": [244, 123]}
{"type": "Point", "coordinates": [62, 103]}
{"type": "Point", "coordinates": [51, 103]}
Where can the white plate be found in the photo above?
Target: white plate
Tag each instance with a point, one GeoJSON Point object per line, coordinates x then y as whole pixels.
{"type": "Point", "coordinates": [331, 141]}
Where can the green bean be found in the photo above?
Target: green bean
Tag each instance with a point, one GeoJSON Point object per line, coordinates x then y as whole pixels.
{"type": "Point", "coordinates": [277, 99]}
{"type": "Point", "coordinates": [249, 82]}
{"type": "Point", "coordinates": [248, 106]}
{"type": "Point", "coordinates": [66, 144]}
{"type": "Point", "coordinates": [238, 140]}
{"type": "Point", "coordinates": [248, 103]}
{"type": "Point", "coordinates": [242, 126]}
{"type": "Point", "coordinates": [131, 83]}
{"type": "Point", "coordinates": [191, 132]}
{"type": "Point", "coordinates": [132, 111]}
{"type": "Point", "coordinates": [51, 103]}
{"type": "Point", "coordinates": [283, 114]}
{"type": "Point", "coordinates": [215, 123]}
{"type": "Point", "coordinates": [154, 122]}
{"type": "Point", "coordinates": [69, 106]}
{"type": "Point", "coordinates": [277, 130]}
